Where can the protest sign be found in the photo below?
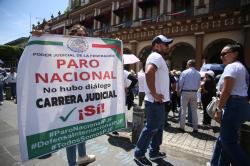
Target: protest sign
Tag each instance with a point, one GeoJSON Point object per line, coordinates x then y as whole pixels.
{"type": "Point", "coordinates": [69, 89]}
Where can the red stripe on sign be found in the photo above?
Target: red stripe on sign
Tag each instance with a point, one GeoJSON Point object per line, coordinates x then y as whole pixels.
{"type": "Point", "coordinates": [108, 46]}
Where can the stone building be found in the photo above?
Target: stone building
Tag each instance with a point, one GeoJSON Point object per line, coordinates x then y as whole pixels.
{"type": "Point", "coordinates": [200, 28]}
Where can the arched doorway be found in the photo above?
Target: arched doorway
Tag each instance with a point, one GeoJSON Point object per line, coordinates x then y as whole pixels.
{"type": "Point", "coordinates": [143, 55]}
{"type": "Point", "coordinates": [180, 53]}
{"type": "Point", "coordinates": [212, 52]}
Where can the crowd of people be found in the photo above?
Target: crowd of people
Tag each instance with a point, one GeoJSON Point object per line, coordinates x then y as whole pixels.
{"type": "Point", "coordinates": [183, 92]}
{"type": "Point", "coordinates": [188, 89]}
{"type": "Point", "coordinates": [7, 84]}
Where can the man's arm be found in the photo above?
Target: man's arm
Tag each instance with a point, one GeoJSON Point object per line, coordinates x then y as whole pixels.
{"type": "Point", "coordinates": [180, 84]}
{"type": "Point", "coordinates": [150, 79]}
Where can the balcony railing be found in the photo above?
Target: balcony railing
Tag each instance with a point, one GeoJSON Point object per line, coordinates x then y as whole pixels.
{"type": "Point", "coordinates": [165, 17]}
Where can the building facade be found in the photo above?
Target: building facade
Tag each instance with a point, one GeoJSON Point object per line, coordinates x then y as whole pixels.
{"type": "Point", "coordinates": [200, 28]}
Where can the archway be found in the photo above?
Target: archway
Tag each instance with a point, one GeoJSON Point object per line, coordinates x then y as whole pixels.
{"type": "Point", "coordinates": [143, 55]}
{"type": "Point", "coordinates": [180, 53]}
{"type": "Point", "coordinates": [212, 52]}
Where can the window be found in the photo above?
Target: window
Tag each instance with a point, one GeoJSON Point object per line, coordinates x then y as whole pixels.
{"type": "Point", "coordinates": [151, 12]}
{"type": "Point", "coordinates": [180, 5]}
{"type": "Point", "coordinates": [201, 3]}
{"type": "Point", "coordinates": [226, 4]}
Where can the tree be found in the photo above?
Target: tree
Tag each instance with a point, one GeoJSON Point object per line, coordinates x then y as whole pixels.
{"type": "Point", "coordinates": [10, 54]}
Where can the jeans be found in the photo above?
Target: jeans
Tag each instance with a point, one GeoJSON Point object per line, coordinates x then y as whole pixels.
{"type": "Point", "coordinates": [227, 149]}
{"type": "Point", "coordinates": [13, 89]}
{"type": "Point", "coordinates": [151, 135]}
{"type": "Point", "coordinates": [71, 153]}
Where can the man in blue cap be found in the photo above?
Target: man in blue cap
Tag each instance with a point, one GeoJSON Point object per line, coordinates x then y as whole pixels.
{"type": "Point", "coordinates": [156, 96]}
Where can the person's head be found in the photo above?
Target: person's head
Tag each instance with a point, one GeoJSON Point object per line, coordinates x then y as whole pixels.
{"type": "Point", "coordinates": [12, 70]}
{"type": "Point", "coordinates": [161, 43]}
{"type": "Point", "coordinates": [191, 63]}
{"type": "Point", "coordinates": [78, 30]}
{"type": "Point", "coordinates": [231, 53]}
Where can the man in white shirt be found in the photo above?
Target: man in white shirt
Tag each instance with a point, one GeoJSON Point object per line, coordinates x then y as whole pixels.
{"type": "Point", "coordinates": [156, 95]}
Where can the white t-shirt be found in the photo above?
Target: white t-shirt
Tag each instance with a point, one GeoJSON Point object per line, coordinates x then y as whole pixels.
{"type": "Point", "coordinates": [141, 80]}
{"type": "Point", "coordinates": [237, 71]}
{"type": "Point", "coordinates": [161, 77]}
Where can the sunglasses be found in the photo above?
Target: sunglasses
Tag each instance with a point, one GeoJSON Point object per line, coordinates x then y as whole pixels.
{"type": "Point", "coordinates": [225, 53]}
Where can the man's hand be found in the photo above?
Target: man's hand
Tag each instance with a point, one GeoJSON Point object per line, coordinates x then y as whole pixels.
{"type": "Point", "coordinates": [158, 97]}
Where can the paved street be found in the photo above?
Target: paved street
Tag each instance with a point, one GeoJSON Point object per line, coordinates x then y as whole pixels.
{"type": "Point", "coordinates": [183, 149]}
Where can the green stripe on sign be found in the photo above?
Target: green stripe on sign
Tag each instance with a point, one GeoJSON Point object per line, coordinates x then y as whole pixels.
{"type": "Point", "coordinates": [50, 141]}
{"type": "Point", "coordinates": [41, 42]}
{"type": "Point", "coordinates": [118, 43]}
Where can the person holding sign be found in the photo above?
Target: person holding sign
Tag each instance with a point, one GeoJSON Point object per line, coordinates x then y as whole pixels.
{"type": "Point", "coordinates": [78, 30]}
{"type": "Point", "coordinates": [156, 96]}
{"type": "Point", "coordinates": [83, 158]}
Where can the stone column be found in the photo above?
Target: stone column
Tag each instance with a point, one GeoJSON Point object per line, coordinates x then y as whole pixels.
{"type": "Point", "coordinates": [133, 44]}
{"type": "Point", "coordinates": [169, 9]}
{"type": "Point", "coordinates": [247, 44]}
{"type": "Point", "coordinates": [134, 17]}
{"type": "Point", "coordinates": [95, 21]}
{"type": "Point", "coordinates": [199, 49]}
{"type": "Point", "coordinates": [113, 16]}
{"type": "Point", "coordinates": [162, 5]}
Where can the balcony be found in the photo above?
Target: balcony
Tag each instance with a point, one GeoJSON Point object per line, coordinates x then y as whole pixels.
{"type": "Point", "coordinates": [88, 21]}
{"type": "Point", "coordinates": [125, 7]}
{"type": "Point", "coordinates": [104, 16]}
{"type": "Point", "coordinates": [122, 25]}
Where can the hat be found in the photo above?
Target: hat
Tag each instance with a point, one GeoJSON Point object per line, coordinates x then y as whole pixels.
{"type": "Point", "coordinates": [162, 39]}
{"type": "Point", "coordinates": [178, 73]}
{"type": "Point", "coordinates": [210, 72]}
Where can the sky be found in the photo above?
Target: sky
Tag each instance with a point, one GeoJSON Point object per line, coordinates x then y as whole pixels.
{"type": "Point", "coordinates": [16, 16]}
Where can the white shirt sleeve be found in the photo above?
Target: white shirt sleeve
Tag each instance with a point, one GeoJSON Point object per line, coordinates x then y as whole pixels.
{"type": "Point", "coordinates": [155, 59]}
{"type": "Point", "coordinates": [230, 71]}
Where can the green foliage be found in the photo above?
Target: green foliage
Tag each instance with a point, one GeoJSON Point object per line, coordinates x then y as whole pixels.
{"type": "Point", "coordinates": [10, 53]}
